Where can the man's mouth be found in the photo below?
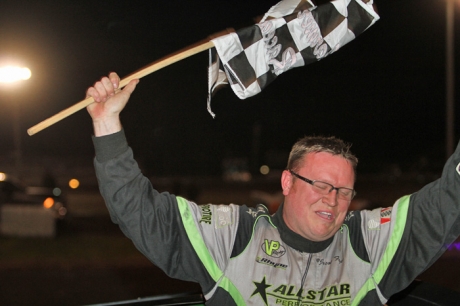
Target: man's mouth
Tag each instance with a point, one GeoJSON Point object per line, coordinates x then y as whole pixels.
{"type": "Point", "coordinates": [325, 215]}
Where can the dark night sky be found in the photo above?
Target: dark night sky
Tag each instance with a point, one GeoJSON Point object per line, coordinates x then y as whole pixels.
{"type": "Point", "coordinates": [384, 92]}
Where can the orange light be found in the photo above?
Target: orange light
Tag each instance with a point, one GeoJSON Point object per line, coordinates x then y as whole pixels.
{"type": "Point", "coordinates": [48, 203]}
{"type": "Point", "coordinates": [74, 183]}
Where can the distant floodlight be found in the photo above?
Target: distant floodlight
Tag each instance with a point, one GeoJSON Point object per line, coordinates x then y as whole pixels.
{"type": "Point", "coordinates": [9, 74]}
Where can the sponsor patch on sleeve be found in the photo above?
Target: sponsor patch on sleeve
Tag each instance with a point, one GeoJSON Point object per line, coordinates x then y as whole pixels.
{"type": "Point", "coordinates": [224, 216]}
{"type": "Point", "coordinates": [385, 215]}
{"type": "Point", "coordinates": [458, 168]}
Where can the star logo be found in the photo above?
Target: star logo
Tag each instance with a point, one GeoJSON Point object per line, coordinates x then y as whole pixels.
{"type": "Point", "coordinates": [261, 289]}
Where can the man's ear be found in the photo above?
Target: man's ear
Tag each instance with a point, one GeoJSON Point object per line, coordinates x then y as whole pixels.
{"type": "Point", "coordinates": [286, 182]}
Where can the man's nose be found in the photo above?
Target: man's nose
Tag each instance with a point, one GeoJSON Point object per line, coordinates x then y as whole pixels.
{"type": "Point", "coordinates": [331, 198]}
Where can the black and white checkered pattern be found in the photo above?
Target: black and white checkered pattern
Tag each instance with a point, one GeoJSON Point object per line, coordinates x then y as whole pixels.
{"type": "Point", "coordinates": [292, 33]}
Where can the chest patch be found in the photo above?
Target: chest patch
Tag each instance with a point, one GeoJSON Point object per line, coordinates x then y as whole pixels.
{"type": "Point", "coordinates": [385, 215]}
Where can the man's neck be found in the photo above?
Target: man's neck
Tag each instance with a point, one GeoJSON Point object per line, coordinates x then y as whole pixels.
{"type": "Point", "coordinates": [295, 240]}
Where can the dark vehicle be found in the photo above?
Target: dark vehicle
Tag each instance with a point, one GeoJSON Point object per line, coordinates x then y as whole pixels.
{"type": "Point", "coordinates": [13, 191]}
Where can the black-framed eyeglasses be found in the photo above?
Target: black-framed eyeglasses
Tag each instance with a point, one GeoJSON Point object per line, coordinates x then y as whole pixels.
{"type": "Point", "coordinates": [324, 188]}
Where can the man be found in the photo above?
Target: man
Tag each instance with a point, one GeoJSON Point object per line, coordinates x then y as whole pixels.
{"type": "Point", "coordinates": [310, 252]}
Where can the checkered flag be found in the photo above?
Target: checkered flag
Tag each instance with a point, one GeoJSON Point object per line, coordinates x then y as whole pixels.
{"type": "Point", "coordinates": [292, 33]}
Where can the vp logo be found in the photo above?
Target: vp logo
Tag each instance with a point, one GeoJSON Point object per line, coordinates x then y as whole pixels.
{"type": "Point", "coordinates": [273, 248]}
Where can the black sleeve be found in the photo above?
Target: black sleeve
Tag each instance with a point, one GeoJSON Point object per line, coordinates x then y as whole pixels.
{"type": "Point", "coordinates": [150, 219]}
{"type": "Point", "coordinates": [433, 223]}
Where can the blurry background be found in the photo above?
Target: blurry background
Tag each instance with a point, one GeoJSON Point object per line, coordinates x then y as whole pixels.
{"type": "Point", "coordinates": [385, 92]}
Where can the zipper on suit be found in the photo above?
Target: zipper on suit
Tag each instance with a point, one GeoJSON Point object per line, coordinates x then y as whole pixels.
{"type": "Point", "coordinates": [304, 276]}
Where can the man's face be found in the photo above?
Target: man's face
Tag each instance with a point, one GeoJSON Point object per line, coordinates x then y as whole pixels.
{"type": "Point", "coordinates": [312, 215]}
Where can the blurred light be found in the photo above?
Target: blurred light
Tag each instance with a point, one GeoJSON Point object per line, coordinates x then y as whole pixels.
{"type": "Point", "coordinates": [246, 176]}
{"type": "Point", "coordinates": [57, 192]}
{"type": "Point", "coordinates": [74, 183]}
{"type": "Point", "coordinates": [62, 211]}
{"type": "Point", "coordinates": [48, 203]}
{"type": "Point", "coordinates": [454, 246]}
{"type": "Point", "coordinates": [2, 176]}
{"type": "Point", "coordinates": [11, 74]}
{"type": "Point", "coordinates": [265, 169]}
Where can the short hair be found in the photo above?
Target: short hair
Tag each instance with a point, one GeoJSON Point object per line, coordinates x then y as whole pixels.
{"type": "Point", "coordinates": [316, 144]}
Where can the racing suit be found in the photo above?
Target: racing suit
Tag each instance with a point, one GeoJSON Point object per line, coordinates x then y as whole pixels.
{"type": "Point", "coordinates": [243, 256]}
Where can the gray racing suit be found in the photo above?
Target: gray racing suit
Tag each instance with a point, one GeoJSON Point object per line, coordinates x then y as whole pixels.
{"type": "Point", "coordinates": [243, 256]}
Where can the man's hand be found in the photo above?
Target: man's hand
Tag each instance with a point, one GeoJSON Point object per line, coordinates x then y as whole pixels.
{"type": "Point", "coordinates": [109, 102]}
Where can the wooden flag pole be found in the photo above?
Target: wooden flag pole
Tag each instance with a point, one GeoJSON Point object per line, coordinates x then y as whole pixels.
{"type": "Point", "coordinates": [171, 59]}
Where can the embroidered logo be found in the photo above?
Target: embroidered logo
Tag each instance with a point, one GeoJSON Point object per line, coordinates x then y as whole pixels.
{"type": "Point", "coordinates": [350, 215]}
{"type": "Point", "coordinates": [385, 215]}
{"type": "Point", "coordinates": [273, 248]}
{"type": "Point", "coordinates": [206, 214]}
{"type": "Point", "coordinates": [372, 224]}
{"type": "Point", "coordinates": [268, 262]}
{"type": "Point", "coordinates": [323, 262]}
{"type": "Point", "coordinates": [288, 294]}
{"type": "Point", "coordinates": [223, 216]}
{"type": "Point", "coordinates": [254, 213]}
{"type": "Point", "coordinates": [458, 168]}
